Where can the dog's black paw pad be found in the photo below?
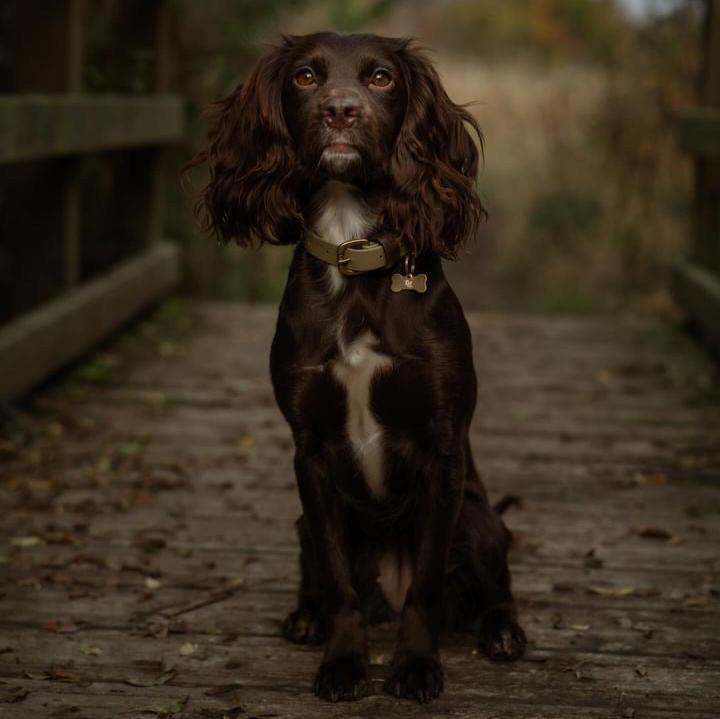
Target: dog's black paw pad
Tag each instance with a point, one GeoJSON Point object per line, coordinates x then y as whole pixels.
{"type": "Point", "coordinates": [502, 641]}
{"type": "Point", "coordinates": [416, 677]}
{"type": "Point", "coordinates": [341, 679]}
{"type": "Point", "coordinates": [304, 627]}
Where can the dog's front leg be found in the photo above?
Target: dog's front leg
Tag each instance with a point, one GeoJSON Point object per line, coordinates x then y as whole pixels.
{"type": "Point", "coordinates": [416, 669]}
{"type": "Point", "coordinates": [343, 672]}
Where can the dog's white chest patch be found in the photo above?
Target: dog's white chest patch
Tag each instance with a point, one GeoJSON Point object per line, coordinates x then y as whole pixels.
{"type": "Point", "coordinates": [354, 369]}
{"type": "Point", "coordinates": [339, 215]}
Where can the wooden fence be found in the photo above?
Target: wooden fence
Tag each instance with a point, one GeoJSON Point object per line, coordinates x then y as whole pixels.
{"type": "Point", "coordinates": [78, 260]}
{"type": "Point", "coordinates": [697, 280]}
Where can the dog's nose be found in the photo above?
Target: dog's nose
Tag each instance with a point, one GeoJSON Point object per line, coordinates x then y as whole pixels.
{"type": "Point", "coordinates": [341, 111]}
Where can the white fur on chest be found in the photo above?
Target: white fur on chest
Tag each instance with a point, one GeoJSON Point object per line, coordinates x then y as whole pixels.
{"type": "Point", "coordinates": [354, 369]}
{"type": "Point", "coordinates": [339, 214]}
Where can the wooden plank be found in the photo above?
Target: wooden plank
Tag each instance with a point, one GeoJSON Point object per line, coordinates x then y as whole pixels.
{"type": "Point", "coordinates": [39, 126]}
{"type": "Point", "coordinates": [699, 131]}
{"type": "Point", "coordinates": [698, 291]}
{"type": "Point", "coordinates": [97, 470]}
{"type": "Point", "coordinates": [43, 341]}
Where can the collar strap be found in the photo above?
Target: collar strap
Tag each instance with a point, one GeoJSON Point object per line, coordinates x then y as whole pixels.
{"type": "Point", "coordinates": [354, 257]}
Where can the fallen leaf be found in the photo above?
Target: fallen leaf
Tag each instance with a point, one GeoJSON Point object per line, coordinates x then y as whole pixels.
{"type": "Point", "coordinates": [166, 711]}
{"type": "Point", "coordinates": [27, 542]}
{"type": "Point", "coordinates": [60, 627]}
{"type": "Point", "coordinates": [612, 591]}
{"type": "Point", "coordinates": [187, 649]}
{"type": "Point", "coordinates": [697, 600]}
{"type": "Point", "coordinates": [604, 591]}
{"type": "Point", "coordinates": [89, 650]}
{"type": "Point", "coordinates": [160, 680]}
{"type": "Point", "coordinates": [157, 629]}
{"type": "Point", "coordinates": [658, 479]}
{"type": "Point", "coordinates": [62, 675]}
{"type": "Point", "coordinates": [580, 627]}
{"type": "Point", "coordinates": [152, 584]}
{"type": "Point", "coordinates": [603, 376]}
{"type": "Point", "coordinates": [56, 675]}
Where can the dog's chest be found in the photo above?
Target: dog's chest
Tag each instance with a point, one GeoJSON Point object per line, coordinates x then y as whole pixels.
{"type": "Point", "coordinates": [356, 366]}
{"type": "Point", "coordinates": [339, 215]}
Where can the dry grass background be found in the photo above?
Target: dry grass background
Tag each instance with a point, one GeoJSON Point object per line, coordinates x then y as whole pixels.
{"type": "Point", "coordinates": [572, 226]}
{"type": "Point", "coordinates": [587, 190]}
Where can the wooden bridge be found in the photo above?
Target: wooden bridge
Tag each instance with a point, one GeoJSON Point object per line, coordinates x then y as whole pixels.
{"type": "Point", "coordinates": [150, 554]}
{"type": "Point", "coordinates": [147, 548]}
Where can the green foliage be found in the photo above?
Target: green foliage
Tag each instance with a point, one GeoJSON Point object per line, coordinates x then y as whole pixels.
{"type": "Point", "coordinates": [356, 15]}
{"type": "Point", "coordinates": [553, 29]}
{"type": "Point", "coordinates": [561, 215]}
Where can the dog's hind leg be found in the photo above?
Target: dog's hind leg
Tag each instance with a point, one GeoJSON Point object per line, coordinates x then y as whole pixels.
{"type": "Point", "coordinates": [307, 623]}
{"type": "Point", "coordinates": [478, 594]}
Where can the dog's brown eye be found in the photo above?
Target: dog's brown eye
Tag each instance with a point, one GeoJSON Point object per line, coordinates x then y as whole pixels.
{"type": "Point", "coordinates": [381, 78]}
{"type": "Point", "coordinates": [304, 77]}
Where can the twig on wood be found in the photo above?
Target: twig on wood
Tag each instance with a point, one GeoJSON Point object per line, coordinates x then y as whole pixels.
{"type": "Point", "coordinates": [216, 596]}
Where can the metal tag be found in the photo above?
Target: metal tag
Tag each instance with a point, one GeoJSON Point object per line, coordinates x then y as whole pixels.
{"type": "Point", "coordinates": [417, 283]}
{"type": "Point", "coordinates": [409, 281]}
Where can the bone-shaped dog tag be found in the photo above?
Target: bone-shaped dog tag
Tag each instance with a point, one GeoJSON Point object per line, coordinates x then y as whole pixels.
{"type": "Point", "coordinates": [409, 281]}
{"type": "Point", "coordinates": [417, 283]}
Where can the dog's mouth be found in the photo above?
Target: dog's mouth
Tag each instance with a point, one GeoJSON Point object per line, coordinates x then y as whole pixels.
{"type": "Point", "coordinates": [340, 147]}
{"type": "Point", "coordinates": [339, 158]}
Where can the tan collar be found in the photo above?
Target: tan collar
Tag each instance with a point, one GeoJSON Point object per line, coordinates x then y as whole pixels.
{"type": "Point", "coordinates": [352, 257]}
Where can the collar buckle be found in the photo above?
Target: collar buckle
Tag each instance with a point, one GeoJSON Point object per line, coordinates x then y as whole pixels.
{"type": "Point", "coordinates": [343, 260]}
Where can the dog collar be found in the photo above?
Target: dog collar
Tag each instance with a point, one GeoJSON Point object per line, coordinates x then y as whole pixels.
{"type": "Point", "coordinates": [353, 257]}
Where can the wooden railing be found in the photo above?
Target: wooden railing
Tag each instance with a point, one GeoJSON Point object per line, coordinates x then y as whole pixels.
{"type": "Point", "coordinates": [54, 301]}
{"type": "Point", "coordinates": [697, 280]}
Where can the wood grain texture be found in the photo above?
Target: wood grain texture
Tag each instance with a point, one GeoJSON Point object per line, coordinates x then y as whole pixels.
{"type": "Point", "coordinates": [35, 126]}
{"type": "Point", "coordinates": [149, 554]}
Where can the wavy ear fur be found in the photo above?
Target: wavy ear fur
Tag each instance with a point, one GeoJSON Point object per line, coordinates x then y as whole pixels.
{"type": "Point", "coordinates": [250, 196]}
{"type": "Point", "coordinates": [433, 204]}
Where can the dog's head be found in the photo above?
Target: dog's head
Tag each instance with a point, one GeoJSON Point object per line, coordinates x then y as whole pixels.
{"type": "Point", "coordinates": [359, 108]}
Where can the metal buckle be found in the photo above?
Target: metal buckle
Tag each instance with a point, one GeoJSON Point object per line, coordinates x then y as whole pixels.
{"type": "Point", "coordinates": [342, 260]}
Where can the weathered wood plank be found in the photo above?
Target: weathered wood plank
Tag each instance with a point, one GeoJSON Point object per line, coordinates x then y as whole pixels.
{"type": "Point", "coordinates": [698, 291]}
{"type": "Point", "coordinates": [44, 340]}
{"type": "Point", "coordinates": [38, 126]}
{"type": "Point", "coordinates": [157, 490]}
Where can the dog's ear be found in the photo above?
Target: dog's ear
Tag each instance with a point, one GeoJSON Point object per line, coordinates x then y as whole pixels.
{"type": "Point", "coordinates": [433, 203]}
{"type": "Point", "coordinates": [250, 196]}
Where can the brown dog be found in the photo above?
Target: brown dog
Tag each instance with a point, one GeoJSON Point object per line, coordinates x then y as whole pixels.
{"type": "Point", "coordinates": [348, 147]}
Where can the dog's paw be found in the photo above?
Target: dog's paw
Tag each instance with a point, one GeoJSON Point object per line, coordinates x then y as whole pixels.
{"type": "Point", "coordinates": [500, 637]}
{"type": "Point", "coordinates": [418, 676]}
{"type": "Point", "coordinates": [304, 626]}
{"type": "Point", "coordinates": [343, 678]}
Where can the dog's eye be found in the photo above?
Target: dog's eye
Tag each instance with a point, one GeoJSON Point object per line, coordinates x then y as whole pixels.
{"type": "Point", "coordinates": [381, 78]}
{"type": "Point", "coordinates": [304, 77]}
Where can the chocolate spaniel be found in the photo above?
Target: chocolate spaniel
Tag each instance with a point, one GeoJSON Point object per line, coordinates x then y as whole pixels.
{"type": "Point", "coordinates": [348, 147]}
